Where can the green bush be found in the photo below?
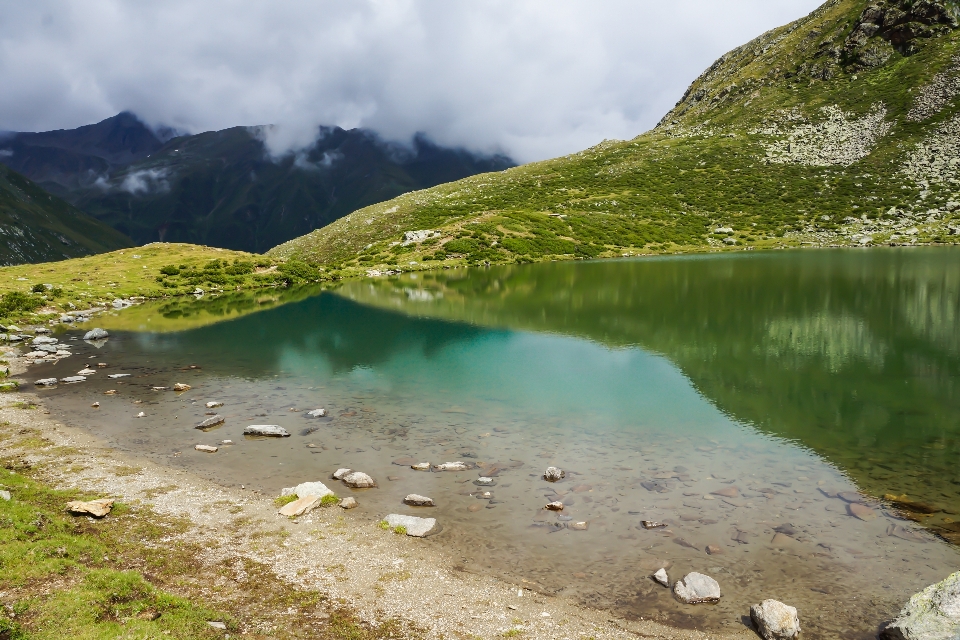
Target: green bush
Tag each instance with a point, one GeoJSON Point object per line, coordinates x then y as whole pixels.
{"type": "Point", "coordinates": [170, 270]}
{"type": "Point", "coordinates": [18, 302]}
{"type": "Point", "coordinates": [38, 288]}
{"type": "Point", "coordinates": [297, 272]}
{"type": "Point", "coordinates": [239, 268]}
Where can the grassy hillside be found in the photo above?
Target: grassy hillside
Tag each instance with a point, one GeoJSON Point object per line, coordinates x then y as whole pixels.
{"type": "Point", "coordinates": [39, 291]}
{"type": "Point", "coordinates": [837, 129]}
{"type": "Point", "coordinates": [36, 226]}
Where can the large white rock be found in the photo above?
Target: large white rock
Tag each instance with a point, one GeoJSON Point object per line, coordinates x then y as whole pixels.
{"type": "Point", "coordinates": [695, 588]}
{"type": "Point", "coordinates": [308, 489]}
{"type": "Point", "coordinates": [416, 500]}
{"type": "Point", "coordinates": [44, 340]}
{"type": "Point", "coordinates": [416, 527]}
{"type": "Point", "coordinates": [932, 614]}
{"type": "Point", "coordinates": [453, 466]}
{"type": "Point", "coordinates": [553, 474]}
{"type": "Point", "coordinates": [661, 577]}
{"type": "Point", "coordinates": [96, 334]}
{"type": "Point", "coordinates": [775, 620]}
{"type": "Point", "coordinates": [359, 480]}
{"type": "Point", "coordinates": [316, 413]}
{"type": "Point", "coordinates": [73, 379]}
{"type": "Point", "coordinates": [340, 474]}
{"type": "Point", "coordinates": [273, 430]}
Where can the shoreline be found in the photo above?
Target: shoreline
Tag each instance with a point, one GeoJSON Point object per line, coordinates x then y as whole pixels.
{"type": "Point", "coordinates": [343, 554]}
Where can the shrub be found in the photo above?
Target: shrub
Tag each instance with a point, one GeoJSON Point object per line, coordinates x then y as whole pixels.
{"type": "Point", "coordinates": [282, 500]}
{"type": "Point", "coordinates": [170, 270]}
{"type": "Point", "coordinates": [239, 268]}
{"type": "Point", "coordinates": [297, 272]}
{"type": "Point", "coordinates": [16, 301]}
{"type": "Point", "coordinates": [329, 500]}
{"type": "Point", "coordinates": [38, 288]}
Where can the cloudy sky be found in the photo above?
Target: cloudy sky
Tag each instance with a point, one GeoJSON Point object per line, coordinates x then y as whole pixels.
{"type": "Point", "coordinates": [533, 78]}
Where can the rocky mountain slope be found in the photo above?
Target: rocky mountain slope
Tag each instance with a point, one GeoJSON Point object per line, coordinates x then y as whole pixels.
{"type": "Point", "coordinates": [38, 227]}
{"type": "Point", "coordinates": [841, 128]}
{"type": "Point", "coordinates": [221, 188]}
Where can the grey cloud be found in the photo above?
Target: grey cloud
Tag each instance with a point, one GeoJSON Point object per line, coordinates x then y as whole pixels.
{"type": "Point", "coordinates": [533, 78]}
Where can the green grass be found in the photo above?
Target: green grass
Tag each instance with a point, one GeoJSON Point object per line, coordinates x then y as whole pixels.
{"type": "Point", "coordinates": [280, 501]}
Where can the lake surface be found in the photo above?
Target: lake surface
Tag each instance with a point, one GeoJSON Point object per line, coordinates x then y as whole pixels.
{"type": "Point", "coordinates": [796, 412]}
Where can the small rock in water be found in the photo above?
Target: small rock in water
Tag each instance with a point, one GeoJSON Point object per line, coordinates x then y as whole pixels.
{"type": "Point", "coordinates": [416, 500]}
{"type": "Point", "coordinates": [578, 526]}
{"type": "Point", "coordinates": [96, 334]}
{"type": "Point", "coordinates": [119, 375]}
{"type": "Point", "coordinates": [141, 415]}
{"type": "Point", "coordinates": [73, 379]}
{"type": "Point", "coordinates": [416, 527]}
{"type": "Point", "coordinates": [405, 461]}
{"type": "Point", "coordinates": [299, 506]}
{"type": "Point", "coordinates": [696, 588]}
{"type": "Point", "coordinates": [102, 364]}
{"type": "Point", "coordinates": [359, 480]}
{"type": "Point", "coordinates": [272, 430]}
{"type": "Point", "coordinates": [775, 620]}
{"type": "Point", "coordinates": [95, 508]}
{"type": "Point", "coordinates": [110, 392]}
{"type": "Point", "coordinates": [651, 524]}
{"type": "Point", "coordinates": [206, 448]}
{"type": "Point", "coordinates": [44, 340]}
{"type": "Point", "coordinates": [727, 492]}
{"type": "Point", "coordinates": [213, 404]}
{"type": "Point", "coordinates": [179, 386]}
{"type": "Point", "coordinates": [453, 466]}
{"type": "Point", "coordinates": [160, 388]}
{"type": "Point", "coordinates": [661, 577]}
{"type": "Point", "coordinates": [861, 511]}
{"type": "Point", "coordinates": [421, 466]}
{"type": "Point", "coordinates": [316, 413]}
{"type": "Point", "coordinates": [212, 421]}
{"type": "Point", "coordinates": [46, 382]}
{"type": "Point", "coordinates": [850, 496]}
{"type": "Point", "coordinates": [95, 405]}
{"type": "Point", "coordinates": [932, 614]}
{"type": "Point", "coordinates": [475, 507]}
{"type": "Point", "coordinates": [339, 474]}
{"type": "Point", "coordinates": [553, 474]}
{"type": "Point", "coordinates": [714, 549]}
{"type": "Point", "coordinates": [554, 506]}
{"type": "Point", "coordinates": [483, 481]}
{"type": "Point", "coordinates": [305, 489]}
{"type": "Point", "coordinates": [86, 372]}
{"type": "Point", "coordinates": [349, 503]}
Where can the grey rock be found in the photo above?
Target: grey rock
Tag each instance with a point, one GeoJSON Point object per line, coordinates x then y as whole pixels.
{"type": "Point", "coordinates": [775, 620]}
{"type": "Point", "coordinates": [359, 480]}
{"type": "Point", "coordinates": [46, 382]}
{"type": "Point", "coordinates": [340, 474]}
{"type": "Point", "coordinates": [47, 348]}
{"type": "Point", "coordinates": [695, 588]}
{"type": "Point", "coordinates": [66, 318]}
{"type": "Point", "coordinates": [416, 527]}
{"type": "Point", "coordinates": [214, 404]}
{"type": "Point", "coordinates": [305, 489]}
{"type": "Point", "coordinates": [42, 330]}
{"type": "Point", "coordinates": [114, 376]}
{"type": "Point", "coordinates": [316, 413]}
{"type": "Point", "coordinates": [349, 503]}
{"type": "Point", "coordinates": [453, 466]}
{"type": "Point", "coordinates": [96, 334]}
{"type": "Point", "coordinates": [273, 430]}
{"type": "Point", "coordinates": [212, 421]}
{"type": "Point", "coordinates": [553, 474]}
{"type": "Point", "coordinates": [73, 379]}
{"type": "Point", "coordinates": [214, 624]}
{"type": "Point", "coordinates": [661, 577]}
{"type": "Point", "coordinates": [416, 500]}
{"type": "Point", "coordinates": [483, 481]}
{"type": "Point", "coordinates": [729, 240]}
{"type": "Point", "coordinates": [44, 340]}
{"type": "Point", "coordinates": [932, 614]}
{"type": "Point", "coordinates": [4, 495]}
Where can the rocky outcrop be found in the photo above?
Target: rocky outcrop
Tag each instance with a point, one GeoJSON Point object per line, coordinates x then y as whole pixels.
{"type": "Point", "coordinates": [899, 22]}
{"type": "Point", "coordinates": [932, 614]}
{"type": "Point", "coordinates": [835, 138]}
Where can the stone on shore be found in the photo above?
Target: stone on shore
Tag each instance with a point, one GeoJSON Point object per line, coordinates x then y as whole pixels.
{"type": "Point", "coordinates": [308, 489]}
{"type": "Point", "coordinates": [775, 620]}
{"type": "Point", "coordinates": [695, 588]}
{"type": "Point", "coordinates": [416, 500]}
{"type": "Point", "coordinates": [421, 466]}
{"type": "Point", "coordinates": [86, 372]}
{"type": "Point", "coordinates": [179, 386]}
{"type": "Point", "coordinates": [349, 503]}
{"type": "Point", "coordinates": [272, 430]}
{"type": "Point", "coordinates": [316, 413]}
{"type": "Point", "coordinates": [453, 466]}
{"type": "Point", "coordinates": [212, 421]}
{"type": "Point", "coordinates": [299, 506]}
{"type": "Point", "coordinates": [553, 474]}
{"type": "Point", "coordinates": [359, 480]}
{"type": "Point", "coordinates": [46, 382]}
{"type": "Point", "coordinates": [213, 404]}
{"type": "Point", "coordinates": [96, 334]}
{"type": "Point", "coordinates": [416, 527]}
{"type": "Point", "coordinates": [44, 340]}
{"type": "Point", "coordinates": [205, 448]}
{"type": "Point", "coordinates": [95, 508]}
{"type": "Point", "coordinates": [554, 506]}
{"type": "Point", "coordinates": [932, 614]}
{"type": "Point", "coordinates": [661, 577]}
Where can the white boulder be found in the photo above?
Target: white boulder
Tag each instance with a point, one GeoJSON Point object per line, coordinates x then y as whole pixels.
{"type": "Point", "coordinates": [96, 334]}
{"type": "Point", "coordinates": [932, 614]}
{"type": "Point", "coordinates": [416, 527]}
{"type": "Point", "coordinates": [272, 430]}
{"type": "Point", "coordinates": [695, 588]}
{"type": "Point", "coordinates": [775, 620]}
{"type": "Point", "coordinates": [359, 480]}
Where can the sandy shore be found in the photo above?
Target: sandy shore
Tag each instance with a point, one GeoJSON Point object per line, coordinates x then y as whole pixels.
{"type": "Point", "coordinates": [343, 554]}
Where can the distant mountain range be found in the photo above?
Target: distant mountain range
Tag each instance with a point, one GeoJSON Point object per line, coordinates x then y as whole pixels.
{"type": "Point", "coordinates": [38, 227]}
{"type": "Point", "coordinates": [222, 188]}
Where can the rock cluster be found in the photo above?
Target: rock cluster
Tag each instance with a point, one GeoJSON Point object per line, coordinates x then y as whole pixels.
{"type": "Point", "coordinates": [837, 138]}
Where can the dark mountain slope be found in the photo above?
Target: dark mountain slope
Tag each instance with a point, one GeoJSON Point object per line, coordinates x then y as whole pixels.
{"type": "Point", "coordinates": [841, 128]}
{"type": "Point", "coordinates": [221, 188]}
{"type": "Point", "coordinates": [38, 227]}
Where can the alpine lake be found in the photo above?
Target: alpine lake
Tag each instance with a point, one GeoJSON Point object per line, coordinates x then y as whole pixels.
{"type": "Point", "coordinates": [791, 417]}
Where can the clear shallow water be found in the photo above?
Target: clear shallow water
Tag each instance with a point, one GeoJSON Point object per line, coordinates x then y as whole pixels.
{"type": "Point", "coordinates": [789, 377]}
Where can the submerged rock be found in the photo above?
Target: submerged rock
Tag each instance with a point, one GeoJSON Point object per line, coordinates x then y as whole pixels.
{"type": "Point", "coordinates": [95, 508]}
{"type": "Point", "coordinates": [661, 577]}
{"type": "Point", "coordinates": [316, 413]}
{"type": "Point", "coordinates": [932, 614]}
{"type": "Point", "coordinates": [179, 386]}
{"type": "Point", "coordinates": [554, 506]}
{"type": "Point", "coordinates": [213, 404]}
{"type": "Point", "coordinates": [119, 375]}
{"type": "Point", "coordinates": [205, 448]}
{"type": "Point", "coordinates": [73, 379]}
{"type": "Point", "coordinates": [453, 466]}
{"type": "Point", "coordinates": [416, 527]}
{"type": "Point", "coordinates": [272, 430]}
{"type": "Point", "coordinates": [553, 474]}
{"type": "Point", "coordinates": [696, 588]}
{"type": "Point", "coordinates": [46, 382]}
{"type": "Point", "coordinates": [96, 334]}
{"type": "Point", "coordinates": [359, 480]}
{"type": "Point", "coordinates": [651, 524]}
{"type": "Point", "coordinates": [416, 500]}
{"type": "Point", "coordinates": [212, 421]}
{"type": "Point", "coordinates": [421, 466]}
{"type": "Point", "coordinates": [775, 620]}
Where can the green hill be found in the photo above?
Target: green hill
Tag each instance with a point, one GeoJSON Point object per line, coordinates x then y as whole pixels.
{"type": "Point", "coordinates": [841, 128]}
{"type": "Point", "coordinates": [38, 227]}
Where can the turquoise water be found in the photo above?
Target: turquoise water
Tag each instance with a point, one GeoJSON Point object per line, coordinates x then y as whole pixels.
{"type": "Point", "coordinates": [780, 380]}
